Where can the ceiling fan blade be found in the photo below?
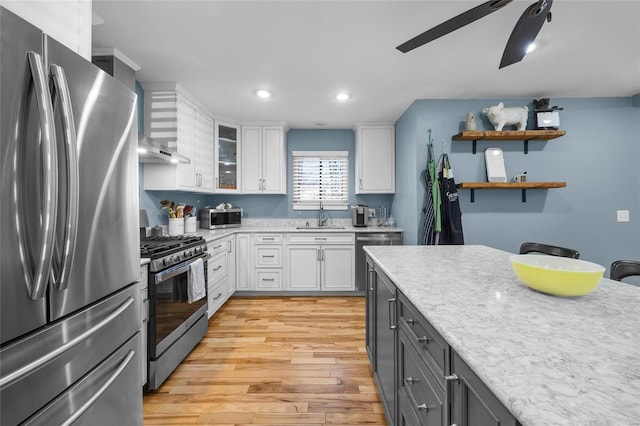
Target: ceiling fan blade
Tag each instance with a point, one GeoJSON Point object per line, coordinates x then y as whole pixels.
{"type": "Point", "coordinates": [525, 32]}
{"type": "Point", "coordinates": [453, 24]}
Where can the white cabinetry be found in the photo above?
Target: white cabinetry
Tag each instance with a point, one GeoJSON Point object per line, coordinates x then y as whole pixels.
{"type": "Point", "coordinates": [144, 312]}
{"type": "Point", "coordinates": [320, 262]}
{"type": "Point", "coordinates": [227, 163]}
{"type": "Point", "coordinates": [69, 21]}
{"type": "Point", "coordinates": [264, 166]}
{"type": "Point", "coordinates": [231, 265]}
{"type": "Point", "coordinates": [220, 273]}
{"type": "Point", "coordinates": [173, 119]}
{"type": "Point", "coordinates": [243, 262]}
{"type": "Point", "coordinates": [375, 159]}
{"type": "Point", "coordinates": [268, 262]}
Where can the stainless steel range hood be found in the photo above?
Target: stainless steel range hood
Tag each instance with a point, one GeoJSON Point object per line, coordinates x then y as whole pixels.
{"type": "Point", "coordinates": [151, 152]}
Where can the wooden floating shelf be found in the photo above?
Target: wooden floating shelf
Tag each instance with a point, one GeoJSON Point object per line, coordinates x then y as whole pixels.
{"type": "Point", "coordinates": [509, 185]}
{"type": "Point", "coordinates": [508, 135]}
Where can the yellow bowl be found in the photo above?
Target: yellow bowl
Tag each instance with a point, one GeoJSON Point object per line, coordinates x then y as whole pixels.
{"type": "Point", "coordinates": [560, 276]}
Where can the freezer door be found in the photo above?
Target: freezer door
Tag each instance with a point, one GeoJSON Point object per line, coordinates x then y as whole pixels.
{"type": "Point", "coordinates": [36, 369]}
{"type": "Point", "coordinates": [22, 159]}
{"type": "Point", "coordinates": [102, 217]}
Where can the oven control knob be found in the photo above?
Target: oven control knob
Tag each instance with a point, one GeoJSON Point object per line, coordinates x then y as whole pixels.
{"type": "Point", "coordinates": [176, 259]}
{"type": "Point", "coordinates": [166, 261]}
{"type": "Point", "coordinates": [198, 250]}
{"type": "Point", "coordinates": [188, 254]}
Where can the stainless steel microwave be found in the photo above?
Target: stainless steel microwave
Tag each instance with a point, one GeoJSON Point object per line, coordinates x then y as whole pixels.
{"type": "Point", "coordinates": [220, 218]}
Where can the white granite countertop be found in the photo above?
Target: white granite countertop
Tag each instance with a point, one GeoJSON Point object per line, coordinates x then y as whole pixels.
{"type": "Point", "coordinates": [290, 226]}
{"type": "Point", "coordinates": [550, 360]}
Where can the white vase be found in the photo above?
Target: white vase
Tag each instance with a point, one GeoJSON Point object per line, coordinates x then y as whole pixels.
{"type": "Point", "coordinates": [176, 226]}
{"type": "Point", "coordinates": [470, 122]}
{"type": "Point", "coordinates": [190, 224]}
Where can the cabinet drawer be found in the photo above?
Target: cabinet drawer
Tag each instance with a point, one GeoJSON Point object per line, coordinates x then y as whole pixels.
{"type": "Point", "coordinates": [217, 268]}
{"type": "Point", "coordinates": [216, 247]}
{"type": "Point", "coordinates": [321, 238]}
{"type": "Point", "coordinates": [268, 279]}
{"type": "Point", "coordinates": [216, 295]}
{"type": "Point", "coordinates": [428, 342]}
{"type": "Point", "coordinates": [269, 239]}
{"type": "Point", "coordinates": [269, 256]}
{"type": "Point", "coordinates": [423, 390]}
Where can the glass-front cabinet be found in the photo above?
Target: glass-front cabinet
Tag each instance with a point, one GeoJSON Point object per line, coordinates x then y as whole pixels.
{"type": "Point", "coordinates": [227, 158]}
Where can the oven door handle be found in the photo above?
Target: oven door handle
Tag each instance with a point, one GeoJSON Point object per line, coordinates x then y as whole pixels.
{"type": "Point", "coordinates": [178, 269]}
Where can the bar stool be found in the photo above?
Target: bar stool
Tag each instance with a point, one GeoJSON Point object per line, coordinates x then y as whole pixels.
{"type": "Point", "coordinates": [621, 269]}
{"type": "Point", "coordinates": [530, 247]}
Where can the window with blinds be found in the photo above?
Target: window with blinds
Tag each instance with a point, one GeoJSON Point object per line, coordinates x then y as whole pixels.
{"type": "Point", "coordinates": [320, 176]}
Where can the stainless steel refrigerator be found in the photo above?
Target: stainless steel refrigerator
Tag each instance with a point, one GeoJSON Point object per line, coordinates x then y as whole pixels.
{"type": "Point", "coordinates": [69, 302]}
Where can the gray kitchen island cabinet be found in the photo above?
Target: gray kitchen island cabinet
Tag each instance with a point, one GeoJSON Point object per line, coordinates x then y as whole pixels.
{"type": "Point", "coordinates": [420, 379]}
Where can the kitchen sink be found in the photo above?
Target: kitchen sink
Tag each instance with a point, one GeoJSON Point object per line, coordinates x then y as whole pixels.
{"type": "Point", "coordinates": [315, 228]}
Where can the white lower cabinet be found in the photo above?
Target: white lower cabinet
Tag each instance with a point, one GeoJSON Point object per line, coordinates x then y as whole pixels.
{"type": "Point", "coordinates": [221, 273]}
{"type": "Point", "coordinates": [268, 262]}
{"type": "Point", "coordinates": [243, 262]}
{"type": "Point", "coordinates": [144, 311]}
{"type": "Point", "coordinates": [320, 262]}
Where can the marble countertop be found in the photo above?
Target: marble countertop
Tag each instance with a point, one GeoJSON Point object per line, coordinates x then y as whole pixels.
{"type": "Point", "coordinates": [550, 360]}
{"type": "Point", "coordinates": [290, 226]}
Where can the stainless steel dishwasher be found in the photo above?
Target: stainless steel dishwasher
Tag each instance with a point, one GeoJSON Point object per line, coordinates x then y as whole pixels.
{"type": "Point", "coordinates": [371, 239]}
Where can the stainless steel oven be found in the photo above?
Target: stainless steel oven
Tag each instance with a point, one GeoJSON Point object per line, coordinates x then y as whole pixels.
{"type": "Point", "coordinates": [175, 326]}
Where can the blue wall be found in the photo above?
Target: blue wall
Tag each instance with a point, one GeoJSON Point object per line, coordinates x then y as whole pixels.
{"type": "Point", "coordinates": [275, 206]}
{"type": "Point", "coordinates": [599, 158]}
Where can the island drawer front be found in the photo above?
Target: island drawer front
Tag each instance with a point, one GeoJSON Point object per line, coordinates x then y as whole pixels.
{"type": "Point", "coordinates": [269, 256]}
{"type": "Point", "coordinates": [321, 238]}
{"type": "Point", "coordinates": [426, 397]}
{"type": "Point", "coordinates": [406, 414]}
{"type": "Point", "coordinates": [427, 341]}
{"type": "Point", "coordinates": [269, 239]}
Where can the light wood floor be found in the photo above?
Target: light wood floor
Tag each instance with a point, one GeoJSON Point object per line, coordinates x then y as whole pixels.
{"type": "Point", "coordinates": [277, 361]}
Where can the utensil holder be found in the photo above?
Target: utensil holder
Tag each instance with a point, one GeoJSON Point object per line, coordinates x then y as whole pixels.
{"type": "Point", "coordinates": [190, 224]}
{"type": "Point", "coordinates": [176, 226]}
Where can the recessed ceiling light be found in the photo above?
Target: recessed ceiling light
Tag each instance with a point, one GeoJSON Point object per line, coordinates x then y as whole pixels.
{"type": "Point", "coordinates": [263, 93]}
{"type": "Point", "coordinates": [343, 96]}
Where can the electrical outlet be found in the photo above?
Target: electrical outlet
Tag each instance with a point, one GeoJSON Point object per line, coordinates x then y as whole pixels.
{"type": "Point", "coordinates": [623, 215]}
{"type": "Point", "coordinates": [372, 212]}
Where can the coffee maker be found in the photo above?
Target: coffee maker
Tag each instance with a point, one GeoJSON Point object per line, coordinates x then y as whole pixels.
{"type": "Point", "coordinates": [360, 215]}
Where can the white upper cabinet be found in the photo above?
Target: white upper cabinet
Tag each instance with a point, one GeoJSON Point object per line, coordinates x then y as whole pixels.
{"type": "Point", "coordinates": [174, 120]}
{"type": "Point", "coordinates": [67, 21]}
{"type": "Point", "coordinates": [264, 167]}
{"type": "Point", "coordinates": [227, 162]}
{"type": "Point", "coordinates": [375, 159]}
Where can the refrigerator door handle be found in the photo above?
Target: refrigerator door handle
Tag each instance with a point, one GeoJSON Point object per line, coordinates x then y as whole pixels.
{"type": "Point", "coordinates": [98, 393]}
{"type": "Point", "coordinates": [21, 372]}
{"type": "Point", "coordinates": [64, 255]}
{"type": "Point", "coordinates": [37, 280]}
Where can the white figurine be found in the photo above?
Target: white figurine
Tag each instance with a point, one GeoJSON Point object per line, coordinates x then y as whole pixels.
{"type": "Point", "coordinates": [470, 123]}
{"type": "Point", "coordinates": [500, 116]}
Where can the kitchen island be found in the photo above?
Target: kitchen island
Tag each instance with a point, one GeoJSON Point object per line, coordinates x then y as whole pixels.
{"type": "Point", "coordinates": [549, 360]}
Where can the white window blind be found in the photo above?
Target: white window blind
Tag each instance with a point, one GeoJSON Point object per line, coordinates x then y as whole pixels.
{"type": "Point", "coordinates": [320, 176]}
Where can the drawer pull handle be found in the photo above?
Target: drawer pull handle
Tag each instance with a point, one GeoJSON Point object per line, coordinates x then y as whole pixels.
{"type": "Point", "coordinates": [410, 321]}
{"type": "Point", "coordinates": [217, 247]}
{"type": "Point", "coordinates": [269, 255]}
{"type": "Point", "coordinates": [215, 269]}
{"type": "Point", "coordinates": [422, 407]}
{"type": "Point", "coordinates": [423, 339]}
{"type": "Point", "coordinates": [218, 296]}
{"type": "Point", "coordinates": [411, 380]}
{"type": "Point", "coordinates": [268, 239]}
{"type": "Point", "coordinates": [268, 279]}
{"type": "Point", "coordinates": [451, 378]}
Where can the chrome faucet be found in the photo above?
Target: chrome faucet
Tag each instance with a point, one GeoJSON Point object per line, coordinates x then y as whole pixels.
{"type": "Point", "coordinates": [321, 221]}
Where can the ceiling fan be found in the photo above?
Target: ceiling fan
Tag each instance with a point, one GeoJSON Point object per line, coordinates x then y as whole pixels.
{"type": "Point", "coordinates": [523, 34]}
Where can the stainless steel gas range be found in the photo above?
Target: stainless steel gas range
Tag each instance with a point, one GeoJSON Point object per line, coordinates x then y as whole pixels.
{"type": "Point", "coordinates": [175, 325]}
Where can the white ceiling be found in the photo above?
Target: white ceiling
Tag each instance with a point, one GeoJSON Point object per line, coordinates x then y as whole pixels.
{"type": "Point", "coordinates": [307, 51]}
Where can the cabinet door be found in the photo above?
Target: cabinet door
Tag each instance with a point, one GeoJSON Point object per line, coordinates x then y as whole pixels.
{"type": "Point", "coordinates": [203, 157]}
{"type": "Point", "coordinates": [274, 161]}
{"type": "Point", "coordinates": [185, 144]}
{"type": "Point", "coordinates": [370, 313]}
{"type": "Point", "coordinates": [385, 345]}
{"type": "Point", "coordinates": [375, 160]}
{"type": "Point", "coordinates": [251, 160]}
{"type": "Point", "coordinates": [472, 403]}
{"type": "Point", "coordinates": [337, 267]}
{"type": "Point", "coordinates": [231, 265]}
{"type": "Point", "coordinates": [243, 262]}
{"type": "Point", "coordinates": [228, 153]}
{"type": "Point", "coordinates": [303, 267]}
